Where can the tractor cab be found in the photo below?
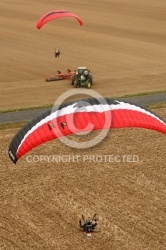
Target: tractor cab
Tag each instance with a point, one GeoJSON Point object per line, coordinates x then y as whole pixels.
{"type": "Point", "coordinates": [82, 71]}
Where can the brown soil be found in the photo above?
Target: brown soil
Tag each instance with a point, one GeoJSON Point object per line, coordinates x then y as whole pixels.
{"type": "Point", "coordinates": [123, 44]}
{"type": "Point", "coordinates": [41, 202]}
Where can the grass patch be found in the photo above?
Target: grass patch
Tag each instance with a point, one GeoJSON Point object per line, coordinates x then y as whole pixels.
{"type": "Point", "coordinates": [157, 105]}
{"type": "Point", "coordinates": [142, 94]}
{"type": "Point", "coordinates": [26, 108]}
{"type": "Point", "coordinates": [12, 125]}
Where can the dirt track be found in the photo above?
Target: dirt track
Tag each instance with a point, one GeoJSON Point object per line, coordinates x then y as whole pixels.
{"type": "Point", "coordinates": [124, 46]}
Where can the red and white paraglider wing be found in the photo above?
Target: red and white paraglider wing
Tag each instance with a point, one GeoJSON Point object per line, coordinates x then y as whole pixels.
{"type": "Point", "coordinates": [56, 14]}
{"type": "Point", "coordinates": [84, 115]}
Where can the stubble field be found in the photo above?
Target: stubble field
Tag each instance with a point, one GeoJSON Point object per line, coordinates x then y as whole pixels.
{"type": "Point", "coordinates": [41, 202]}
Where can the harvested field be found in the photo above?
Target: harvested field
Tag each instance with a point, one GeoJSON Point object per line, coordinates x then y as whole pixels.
{"type": "Point", "coordinates": [123, 43]}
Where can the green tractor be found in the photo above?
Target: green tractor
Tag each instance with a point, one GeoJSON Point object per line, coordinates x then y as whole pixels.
{"type": "Point", "coordinates": [82, 78]}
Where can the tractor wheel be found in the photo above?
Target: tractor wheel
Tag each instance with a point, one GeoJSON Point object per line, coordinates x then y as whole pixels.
{"type": "Point", "coordinates": [90, 79]}
{"type": "Point", "coordinates": [73, 79]}
{"type": "Point", "coordinates": [88, 85]}
{"type": "Point", "coordinates": [76, 85]}
{"type": "Point", "coordinates": [89, 82]}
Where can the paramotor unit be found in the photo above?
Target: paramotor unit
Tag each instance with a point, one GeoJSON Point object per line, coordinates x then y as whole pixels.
{"type": "Point", "coordinates": [57, 52]}
{"type": "Point", "coordinates": [88, 225]}
{"type": "Point", "coordinates": [89, 114]}
{"type": "Point", "coordinates": [53, 15]}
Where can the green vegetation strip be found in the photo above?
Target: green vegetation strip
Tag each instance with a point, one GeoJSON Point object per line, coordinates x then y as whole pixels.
{"type": "Point", "coordinates": [26, 108]}
{"type": "Point", "coordinates": [12, 125]}
{"type": "Point", "coordinates": [158, 105]}
{"type": "Point", "coordinates": [142, 94]}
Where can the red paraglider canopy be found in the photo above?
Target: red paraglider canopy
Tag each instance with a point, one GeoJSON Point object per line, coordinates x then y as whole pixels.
{"type": "Point", "coordinates": [54, 15]}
